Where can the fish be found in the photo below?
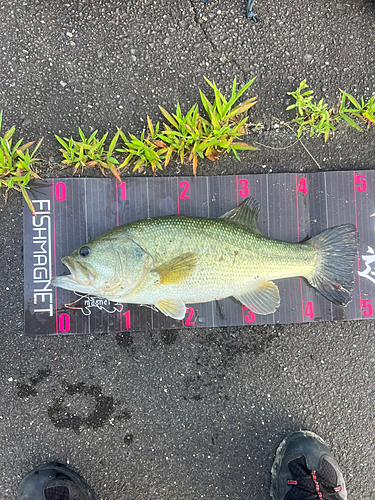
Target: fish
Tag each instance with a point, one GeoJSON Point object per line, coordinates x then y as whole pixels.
{"type": "Point", "coordinates": [174, 260]}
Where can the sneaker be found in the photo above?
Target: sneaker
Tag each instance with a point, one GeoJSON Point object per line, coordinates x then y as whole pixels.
{"type": "Point", "coordinates": [305, 469]}
{"type": "Point", "coordinates": [54, 481]}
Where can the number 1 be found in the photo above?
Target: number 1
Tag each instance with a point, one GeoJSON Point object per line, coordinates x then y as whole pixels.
{"type": "Point", "coordinates": [127, 317]}
{"type": "Point", "coordinates": [122, 186]}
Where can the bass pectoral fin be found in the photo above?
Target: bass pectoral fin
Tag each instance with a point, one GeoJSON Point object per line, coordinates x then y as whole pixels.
{"type": "Point", "coordinates": [176, 270]}
{"type": "Point", "coordinates": [264, 299]}
{"type": "Point", "coordinates": [175, 308]}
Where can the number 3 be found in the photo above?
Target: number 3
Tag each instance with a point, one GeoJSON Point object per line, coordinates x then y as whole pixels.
{"type": "Point", "coordinates": [243, 188]}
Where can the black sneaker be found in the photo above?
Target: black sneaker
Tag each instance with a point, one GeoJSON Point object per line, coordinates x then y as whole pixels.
{"type": "Point", "coordinates": [304, 469]}
{"type": "Point", "coordinates": [54, 481]}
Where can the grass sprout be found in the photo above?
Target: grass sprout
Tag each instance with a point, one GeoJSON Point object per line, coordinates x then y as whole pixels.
{"type": "Point", "coordinates": [322, 121]}
{"type": "Point", "coordinates": [90, 152]}
{"type": "Point", "coordinates": [144, 151]}
{"type": "Point", "coordinates": [191, 136]}
{"type": "Point", "coordinates": [16, 160]}
{"type": "Point", "coordinates": [362, 110]}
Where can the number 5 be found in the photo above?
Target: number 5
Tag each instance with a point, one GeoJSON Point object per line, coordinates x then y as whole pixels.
{"type": "Point", "coordinates": [367, 307]}
{"type": "Point", "coordinates": [360, 180]}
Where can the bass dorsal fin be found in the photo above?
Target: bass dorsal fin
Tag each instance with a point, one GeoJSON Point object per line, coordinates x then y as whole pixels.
{"type": "Point", "coordinates": [246, 214]}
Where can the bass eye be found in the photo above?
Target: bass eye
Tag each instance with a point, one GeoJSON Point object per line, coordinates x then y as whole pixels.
{"type": "Point", "coordinates": [84, 251]}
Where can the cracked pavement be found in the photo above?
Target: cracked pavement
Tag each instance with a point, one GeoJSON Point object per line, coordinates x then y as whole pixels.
{"type": "Point", "coordinates": [197, 413]}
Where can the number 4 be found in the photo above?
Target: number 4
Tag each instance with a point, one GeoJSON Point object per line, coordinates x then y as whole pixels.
{"type": "Point", "coordinates": [302, 188]}
{"type": "Point", "coordinates": [309, 310]}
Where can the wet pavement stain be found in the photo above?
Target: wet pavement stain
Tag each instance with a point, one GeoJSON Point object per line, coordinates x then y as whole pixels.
{"type": "Point", "coordinates": [233, 343]}
{"type": "Point", "coordinates": [169, 337]}
{"type": "Point", "coordinates": [124, 415]}
{"type": "Point", "coordinates": [219, 352]}
{"type": "Point", "coordinates": [26, 390]}
{"type": "Point", "coordinates": [163, 337]}
{"type": "Point", "coordinates": [104, 408]}
{"type": "Point", "coordinates": [125, 340]}
{"type": "Point", "coordinates": [128, 439]}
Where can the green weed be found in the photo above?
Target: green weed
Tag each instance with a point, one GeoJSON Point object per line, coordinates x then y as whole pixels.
{"type": "Point", "coordinates": [15, 164]}
{"type": "Point", "coordinates": [89, 152]}
{"type": "Point", "coordinates": [144, 150]}
{"type": "Point", "coordinates": [191, 136]}
{"type": "Point", "coordinates": [321, 120]}
{"type": "Point", "coordinates": [364, 111]}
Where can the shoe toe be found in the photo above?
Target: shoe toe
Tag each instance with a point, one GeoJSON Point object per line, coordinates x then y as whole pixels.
{"type": "Point", "coordinates": [52, 481]}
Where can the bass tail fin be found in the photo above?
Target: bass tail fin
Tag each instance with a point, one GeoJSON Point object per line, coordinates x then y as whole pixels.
{"type": "Point", "coordinates": [337, 252]}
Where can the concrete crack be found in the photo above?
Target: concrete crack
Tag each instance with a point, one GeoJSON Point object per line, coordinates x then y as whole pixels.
{"type": "Point", "coordinates": [196, 19]}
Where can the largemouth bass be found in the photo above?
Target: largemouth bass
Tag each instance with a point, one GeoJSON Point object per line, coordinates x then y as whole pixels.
{"type": "Point", "coordinates": [172, 261]}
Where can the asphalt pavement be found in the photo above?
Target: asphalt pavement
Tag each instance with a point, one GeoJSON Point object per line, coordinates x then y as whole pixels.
{"type": "Point", "coordinates": [195, 413]}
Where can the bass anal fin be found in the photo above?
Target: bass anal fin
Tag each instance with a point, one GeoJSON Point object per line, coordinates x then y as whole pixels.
{"type": "Point", "coordinates": [264, 299]}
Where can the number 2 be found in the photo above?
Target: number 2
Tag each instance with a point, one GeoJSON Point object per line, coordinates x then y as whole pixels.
{"type": "Point", "coordinates": [190, 312]}
{"type": "Point", "coordinates": [185, 186]}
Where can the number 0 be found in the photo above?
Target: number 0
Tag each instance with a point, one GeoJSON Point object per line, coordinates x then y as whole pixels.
{"type": "Point", "coordinates": [60, 191]}
{"type": "Point", "coordinates": [64, 323]}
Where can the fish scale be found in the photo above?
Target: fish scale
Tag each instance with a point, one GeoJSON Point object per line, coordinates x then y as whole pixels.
{"type": "Point", "coordinates": [230, 257]}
